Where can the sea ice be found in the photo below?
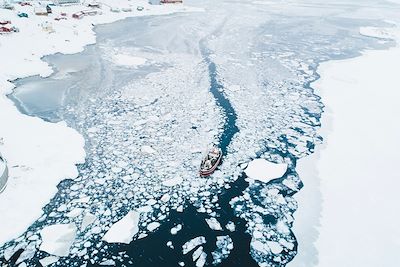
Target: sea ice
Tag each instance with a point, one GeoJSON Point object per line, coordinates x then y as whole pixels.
{"type": "Point", "coordinates": [196, 254]}
{"type": "Point", "coordinates": [230, 226]}
{"type": "Point", "coordinates": [176, 229]}
{"type": "Point", "coordinates": [48, 261]}
{"type": "Point", "coordinates": [58, 238]}
{"type": "Point", "coordinates": [173, 181]}
{"type": "Point", "coordinates": [153, 226]}
{"type": "Point", "coordinates": [191, 244]}
{"type": "Point", "coordinates": [87, 220]}
{"type": "Point", "coordinates": [124, 230]}
{"type": "Point", "coordinates": [264, 171]}
{"type": "Point", "coordinates": [224, 246]}
{"type": "Point", "coordinates": [148, 150]}
{"type": "Point", "coordinates": [202, 260]}
{"type": "Point", "coordinates": [128, 60]}
{"type": "Point", "coordinates": [275, 247]}
{"type": "Point", "coordinates": [214, 224]}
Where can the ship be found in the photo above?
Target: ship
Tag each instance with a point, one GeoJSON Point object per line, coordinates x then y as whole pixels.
{"type": "Point", "coordinates": [211, 161]}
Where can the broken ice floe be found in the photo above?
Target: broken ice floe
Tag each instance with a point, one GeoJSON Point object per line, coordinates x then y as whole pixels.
{"type": "Point", "coordinates": [176, 229]}
{"type": "Point", "coordinates": [57, 239]}
{"type": "Point", "coordinates": [48, 261]}
{"type": "Point", "coordinates": [87, 220]}
{"type": "Point", "coordinates": [153, 226]}
{"type": "Point", "coordinates": [224, 246]}
{"type": "Point", "coordinates": [214, 224]}
{"type": "Point", "coordinates": [230, 226]}
{"type": "Point", "coordinates": [124, 230]}
{"type": "Point", "coordinates": [264, 171]}
{"type": "Point", "coordinates": [193, 243]}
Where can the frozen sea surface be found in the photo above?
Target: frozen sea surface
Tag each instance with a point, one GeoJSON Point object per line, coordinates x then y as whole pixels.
{"type": "Point", "coordinates": [238, 75]}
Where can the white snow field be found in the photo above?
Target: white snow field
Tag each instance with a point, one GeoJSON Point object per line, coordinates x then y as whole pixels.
{"type": "Point", "coordinates": [41, 154]}
{"type": "Point", "coordinates": [356, 168]}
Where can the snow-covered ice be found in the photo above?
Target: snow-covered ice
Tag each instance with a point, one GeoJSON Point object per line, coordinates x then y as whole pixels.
{"type": "Point", "coordinates": [48, 261]}
{"type": "Point", "coordinates": [123, 230]}
{"type": "Point", "coordinates": [57, 239]}
{"type": "Point", "coordinates": [87, 220]}
{"type": "Point", "coordinates": [193, 243]}
{"type": "Point", "coordinates": [355, 169]}
{"type": "Point", "coordinates": [264, 171]}
{"type": "Point", "coordinates": [153, 226]}
{"type": "Point", "coordinates": [214, 224]}
{"type": "Point", "coordinates": [174, 230]}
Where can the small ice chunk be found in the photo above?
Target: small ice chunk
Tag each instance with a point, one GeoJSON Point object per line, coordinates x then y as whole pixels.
{"type": "Point", "coordinates": [48, 261]}
{"type": "Point", "coordinates": [108, 262]}
{"type": "Point", "coordinates": [153, 226]}
{"type": "Point", "coordinates": [259, 246]}
{"type": "Point", "coordinates": [151, 202]}
{"type": "Point", "coordinates": [114, 169]}
{"type": "Point", "coordinates": [58, 238]}
{"type": "Point", "coordinates": [145, 209]}
{"type": "Point", "coordinates": [124, 230]}
{"type": "Point", "coordinates": [275, 247]}
{"type": "Point", "coordinates": [214, 224]}
{"type": "Point", "coordinates": [202, 260]}
{"type": "Point", "coordinates": [197, 253]}
{"type": "Point", "coordinates": [170, 245]}
{"type": "Point", "coordinates": [148, 150]}
{"type": "Point", "coordinates": [191, 244]}
{"type": "Point", "coordinates": [176, 229]}
{"type": "Point", "coordinates": [87, 220]}
{"type": "Point", "coordinates": [74, 213]}
{"type": "Point", "coordinates": [230, 226]}
{"type": "Point", "coordinates": [286, 243]}
{"type": "Point", "coordinates": [264, 171]}
{"type": "Point", "coordinates": [173, 181]}
{"type": "Point", "coordinates": [165, 198]}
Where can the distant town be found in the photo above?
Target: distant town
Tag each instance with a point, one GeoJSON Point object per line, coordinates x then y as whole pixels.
{"type": "Point", "coordinates": [26, 9]}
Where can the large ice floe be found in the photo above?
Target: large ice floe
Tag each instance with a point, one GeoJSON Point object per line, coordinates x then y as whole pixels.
{"type": "Point", "coordinates": [264, 171]}
{"type": "Point", "coordinates": [124, 230]}
{"type": "Point", "coordinates": [57, 239]}
{"type": "Point", "coordinates": [226, 76]}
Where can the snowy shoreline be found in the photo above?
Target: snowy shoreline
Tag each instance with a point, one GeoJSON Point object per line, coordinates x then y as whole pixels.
{"type": "Point", "coordinates": [41, 154]}
{"type": "Point", "coordinates": [350, 184]}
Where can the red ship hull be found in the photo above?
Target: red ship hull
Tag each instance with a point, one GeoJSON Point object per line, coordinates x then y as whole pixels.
{"type": "Point", "coordinates": [204, 173]}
